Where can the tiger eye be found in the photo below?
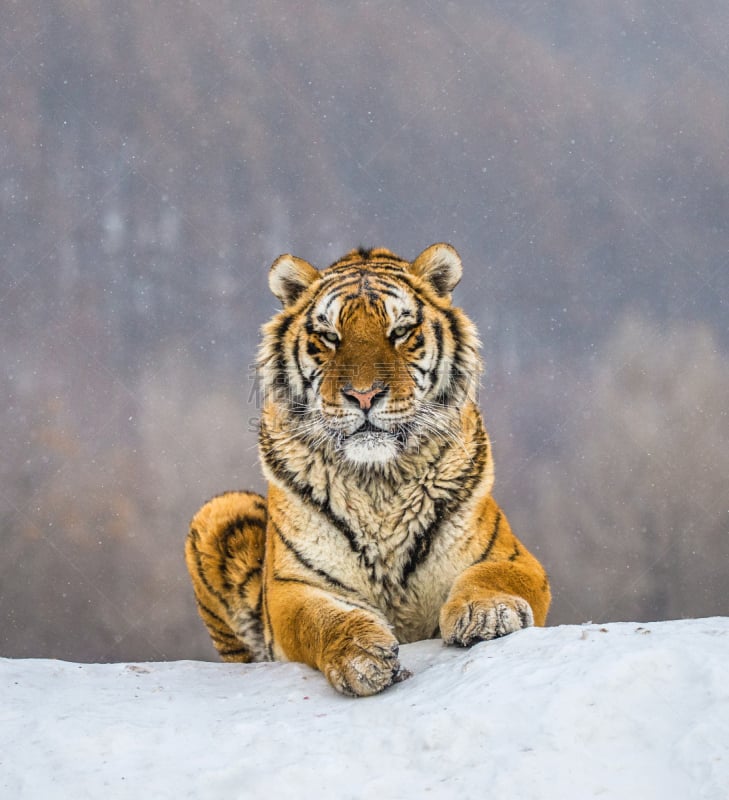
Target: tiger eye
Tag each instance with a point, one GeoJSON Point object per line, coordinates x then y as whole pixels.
{"type": "Point", "coordinates": [400, 331]}
{"type": "Point", "coordinates": [330, 336]}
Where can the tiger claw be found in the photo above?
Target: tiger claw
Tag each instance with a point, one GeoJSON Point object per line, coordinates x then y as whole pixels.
{"type": "Point", "coordinates": [486, 619]}
{"type": "Point", "coordinates": [401, 675]}
{"type": "Point", "coordinates": [361, 670]}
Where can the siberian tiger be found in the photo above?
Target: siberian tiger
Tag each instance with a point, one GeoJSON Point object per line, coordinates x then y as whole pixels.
{"type": "Point", "coordinates": [379, 527]}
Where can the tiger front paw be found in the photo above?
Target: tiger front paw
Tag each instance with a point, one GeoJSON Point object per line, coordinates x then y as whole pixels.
{"type": "Point", "coordinates": [363, 663]}
{"type": "Point", "coordinates": [478, 620]}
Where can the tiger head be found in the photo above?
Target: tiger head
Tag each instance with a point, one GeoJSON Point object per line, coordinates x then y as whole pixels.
{"type": "Point", "coordinates": [369, 356]}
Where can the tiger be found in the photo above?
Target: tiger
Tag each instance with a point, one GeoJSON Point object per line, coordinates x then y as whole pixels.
{"type": "Point", "coordinates": [379, 527]}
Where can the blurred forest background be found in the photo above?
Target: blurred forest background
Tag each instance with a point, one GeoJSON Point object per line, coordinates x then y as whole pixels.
{"type": "Point", "coordinates": [156, 157]}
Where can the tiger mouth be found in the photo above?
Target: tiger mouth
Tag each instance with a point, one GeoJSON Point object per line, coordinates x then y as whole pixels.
{"type": "Point", "coordinates": [369, 432]}
{"type": "Point", "coordinates": [368, 427]}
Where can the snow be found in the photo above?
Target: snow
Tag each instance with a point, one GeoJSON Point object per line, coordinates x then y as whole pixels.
{"type": "Point", "coordinates": [622, 710]}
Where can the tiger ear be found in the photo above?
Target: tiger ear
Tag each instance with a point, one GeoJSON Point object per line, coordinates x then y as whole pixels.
{"type": "Point", "coordinates": [290, 276]}
{"type": "Point", "coordinates": [439, 265]}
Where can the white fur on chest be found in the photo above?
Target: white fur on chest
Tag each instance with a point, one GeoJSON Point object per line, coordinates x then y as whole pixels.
{"type": "Point", "coordinates": [367, 539]}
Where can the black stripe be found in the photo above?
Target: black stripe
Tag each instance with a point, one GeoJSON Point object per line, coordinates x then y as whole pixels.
{"type": "Point", "coordinates": [309, 324]}
{"type": "Point", "coordinates": [262, 610]}
{"type": "Point", "coordinates": [423, 542]}
{"type": "Point", "coordinates": [220, 630]}
{"type": "Point", "coordinates": [391, 262]}
{"type": "Point", "coordinates": [460, 370]}
{"type": "Point", "coordinates": [237, 652]}
{"type": "Point", "coordinates": [266, 620]}
{"type": "Point", "coordinates": [193, 538]}
{"type": "Point", "coordinates": [299, 366]}
{"type": "Point", "coordinates": [223, 639]}
{"type": "Point", "coordinates": [238, 525]}
{"type": "Point", "coordinates": [446, 395]}
{"type": "Point", "coordinates": [305, 491]}
{"type": "Point", "coordinates": [337, 292]}
{"type": "Point", "coordinates": [329, 302]}
{"type": "Point", "coordinates": [438, 333]}
{"type": "Point", "coordinates": [213, 616]}
{"type": "Point", "coordinates": [406, 278]}
{"type": "Point", "coordinates": [313, 348]}
{"type": "Point", "coordinates": [250, 575]}
{"type": "Point", "coordinates": [391, 286]}
{"type": "Point", "coordinates": [381, 290]}
{"type": "Point", "coordinates": [343, 283]}
{"type": "Point", "coordinates": [419, 314]}
{"type": "Point", "coordinates": [280, 370]}
{"type": "Point", "coordinates": [492, 540]}
{"type": "Point", "coordinates": [417, 344]}
{"type": "Point", "coordinates": [249, 629]}
{"type": "Point", "coordinates": [445, 507]}
{"type": "Point", "coordinates": [306, 563]}
{"type": "Point", "coordinates": [289, 579]}
{"type": "Point", "coordinates": [433, 371]}
{"type": "Point", "coordinates": [361, 604]}
{"type": "Point", "coordinates": [348, 272]}
{"type": "Point", "coordinates": [386, 263]}
{"type": "Point", "coordinates": [421, 384]}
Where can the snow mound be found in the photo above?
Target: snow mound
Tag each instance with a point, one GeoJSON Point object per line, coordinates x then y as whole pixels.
{"type": "Point", "coordinates": [615, 711]}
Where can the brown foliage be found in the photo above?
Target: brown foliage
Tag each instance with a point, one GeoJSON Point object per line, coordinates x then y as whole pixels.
{"type": "Point", "coordinates": [632, 510]}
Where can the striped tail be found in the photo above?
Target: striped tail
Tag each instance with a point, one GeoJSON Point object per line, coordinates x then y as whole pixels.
{"type": "Point", "coordinates": [224, 555]}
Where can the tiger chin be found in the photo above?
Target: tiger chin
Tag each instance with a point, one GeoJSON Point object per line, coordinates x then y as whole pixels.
{"type": "Point", "coordinates": [379, 527]}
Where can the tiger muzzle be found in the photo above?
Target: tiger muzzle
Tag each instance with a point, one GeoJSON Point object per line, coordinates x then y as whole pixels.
{"type": "Point", "coordinates": [364, 398]}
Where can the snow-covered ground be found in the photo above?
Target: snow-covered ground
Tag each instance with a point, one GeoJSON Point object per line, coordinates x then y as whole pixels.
{"type": "Point", "coordinates": [611, 711]}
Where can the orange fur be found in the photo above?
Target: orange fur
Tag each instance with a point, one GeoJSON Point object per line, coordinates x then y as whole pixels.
{"type": "Point", "coordinates": [379, 526]}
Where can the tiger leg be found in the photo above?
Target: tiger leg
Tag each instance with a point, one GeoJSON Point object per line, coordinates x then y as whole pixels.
{"type": "Point", "coordinates": [224, 555]}
{"type": "Point", "coordinates": [505, 589]}
{"type": "Point", "coordinates": [318, 621]}
{"type": "Point", "coordinates": [352, 645]}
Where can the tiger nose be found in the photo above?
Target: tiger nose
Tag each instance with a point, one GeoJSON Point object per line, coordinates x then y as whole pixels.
{"type": "Point", "coordinates": [365, 397]}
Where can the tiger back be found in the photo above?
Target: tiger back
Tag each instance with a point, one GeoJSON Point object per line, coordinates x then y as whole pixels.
{"type": "Point", "coordinates": [379, 526]}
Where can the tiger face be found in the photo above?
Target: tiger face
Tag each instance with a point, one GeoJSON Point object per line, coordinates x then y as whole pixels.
{"type": "Point", "coordinates": [369, 356]}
